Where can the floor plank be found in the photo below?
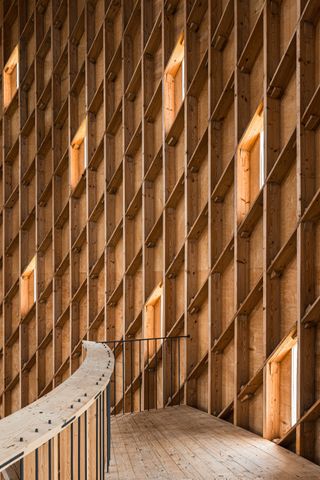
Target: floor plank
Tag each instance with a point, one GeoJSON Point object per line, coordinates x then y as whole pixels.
{"type": "Point", "coordinates": [183, 443]}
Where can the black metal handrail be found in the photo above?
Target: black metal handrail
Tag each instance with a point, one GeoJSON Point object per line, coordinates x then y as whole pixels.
{"type": "Point", "coordinates": [128, 340]}
{"type": "Point", "coordinates": [147, 373]}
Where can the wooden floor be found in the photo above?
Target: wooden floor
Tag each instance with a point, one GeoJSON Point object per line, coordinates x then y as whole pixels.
{"type": "Point", "coordinates": [184, 443]}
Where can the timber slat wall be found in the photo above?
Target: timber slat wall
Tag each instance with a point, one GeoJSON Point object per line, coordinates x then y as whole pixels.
{"type": "Point", "coordinates": [160, 199]}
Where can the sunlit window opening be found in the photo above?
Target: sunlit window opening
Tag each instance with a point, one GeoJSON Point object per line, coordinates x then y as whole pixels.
{"type": "Point", "coordinates": [174, 83]}
{"type": "Point", "coordinates": [11, 77]}
{"type": "Point", "coordinates": [250, 164]}
{"type": "Point", "coordinates": [28, 287]}
{"type": "Point", "coordinates": [281, 389]}
{"type": "Point", "coordinates": [78, 154]}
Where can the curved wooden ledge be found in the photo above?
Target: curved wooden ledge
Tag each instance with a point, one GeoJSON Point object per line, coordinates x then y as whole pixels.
{"type": "Point", "coordinates": [30, 427]}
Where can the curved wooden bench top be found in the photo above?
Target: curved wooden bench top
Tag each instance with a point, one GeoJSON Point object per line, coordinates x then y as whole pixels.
{"type": "Point", "coordinates": [30, 427]}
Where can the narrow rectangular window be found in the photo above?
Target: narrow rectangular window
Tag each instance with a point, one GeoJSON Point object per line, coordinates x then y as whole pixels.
{"type": "Point", "coordinates": [174, 83]}
{"type": "Point", "coordinates": [28, 287]}
{"type": "Point", "coordinates": [154, 314]}
{"type": "Point", "coordinates": [281, 389]}
{"type": "Point", "coordinates": [78, 154]}
{"type": "Point", "coordinates": [11, 77]}
{"type": "Point", "coordinates": [250, 164]}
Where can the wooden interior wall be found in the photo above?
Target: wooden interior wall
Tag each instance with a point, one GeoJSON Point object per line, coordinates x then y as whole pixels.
{"type": "Point", "coordinates": [165, 196]}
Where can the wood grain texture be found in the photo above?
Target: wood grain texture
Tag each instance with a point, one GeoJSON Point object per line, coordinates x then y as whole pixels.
{"type": "Point", "coordinates": [184, 443]}
{"type": "Point", "coordinates": [154, 199]}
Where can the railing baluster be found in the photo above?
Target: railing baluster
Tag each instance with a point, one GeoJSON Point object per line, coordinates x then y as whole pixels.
{"type": "Point", "coordinates": [164, 376]}
{"type": "Point", "coordinates": [131, 378]}
{"type": "Point", "coordinates": [85, 445]}
{"type": "Point", "coordinates": [71, 451]}
{"type": "Point", "coordinates": [115, 379]}
{"type": "Point", "coordinates": [100, 437]}
{"type": "Point", "coordinates": [171, 378]}
{"type": "Point", "coordinates": [179, 368]}
{"type": "Point", "coordinates": [21, 468]}
{"type": "Point", "coordinates": [59, 456]}
{"type": "Point", "coordinates": [36, 458]}
{"type": "Point", "coordinates": [49, 460]}
{"type": "Point", "coordinates": [140, 375]}
{"type": "Point", "coordinates": [155, 376]}
{"type": "Point", "coordinates": [79, 448]}
{"type": "Point", "coordinates": [123, 380]}
{"type": "Point", "coordinates": [97, 439]}
{"type": "Point", "coordinates": [108, 427]}
{"type": "Point", "coordinates": [148, 374]}
{"type": "Point", "coordinates": [102, 434]}
{"type": "Point", "coordinates": [150, 392]}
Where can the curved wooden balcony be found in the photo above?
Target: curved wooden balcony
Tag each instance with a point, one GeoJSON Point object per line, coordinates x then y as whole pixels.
{"type": "Point", "coordinates": [64, 434]}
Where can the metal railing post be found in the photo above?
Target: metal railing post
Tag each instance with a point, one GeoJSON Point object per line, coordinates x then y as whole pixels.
{"type": "Point", "coordinates": [79, 448]}
{"type": "Point", "coordinates": [155, 376]}
{"type": "Point", "coordinates": [179, 368]}
{"type": "Point", "coordinates": [108, 427]}
{"type": "Point", "coordinates": [131, 379]}
{"type": "Point", "coordinates": [123, 383]}
{"type": "Point", "coordinates": [171, 373]}
{"type": "Point", "coordinates": [148, 375]}
{"type": "Point", "coordinates": [36, 458]}
{"type": "Point", "coordinates": [114, 378]}
{"type": "Point", "coordinates": [171, 377]}
{"type": "Point", "coordinates": [21, 468]}
{"type": "Point", "coordinates": [49, 459]}
{"type": "Point", "coordinates": [102, 433]}
{"type": "Point", "coordinates": [140, 375]}
{"type": "Point", "coordinates": [97, 438]}
{"type": "Point", "coordinates": [85, 445]}
{"type": "Point", "coordinates": [71, 450]}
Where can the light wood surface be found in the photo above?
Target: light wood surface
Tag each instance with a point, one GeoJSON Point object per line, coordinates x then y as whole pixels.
{"type": "Point", "coordinates": [119, 172]}
{"type": "Point", "coordinates": [184, 443]}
